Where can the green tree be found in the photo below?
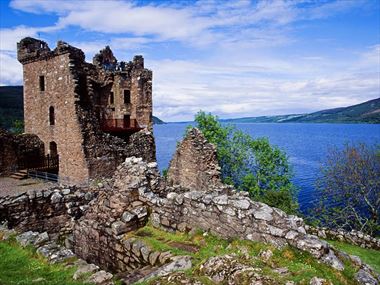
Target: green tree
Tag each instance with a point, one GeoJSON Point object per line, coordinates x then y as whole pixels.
{"type": "Point", "coordinates": [251, 165]}
{"type": "Point", "coordinates": [349, 189]}
{"type": "Point", "coordinates": [18, 126]}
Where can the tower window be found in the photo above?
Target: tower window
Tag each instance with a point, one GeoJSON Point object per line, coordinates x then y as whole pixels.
{"type": "Point", "coordinates": [51, 116]}
{"type": "Point", "coordinates": [42, 83]}
{"type": "Point", "coordinates": [127, 96]}
{"type": "Point", "coordinates": [111, 98]}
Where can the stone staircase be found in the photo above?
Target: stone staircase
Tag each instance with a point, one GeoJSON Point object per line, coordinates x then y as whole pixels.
{"type": "Point", "coordinates": [21, 174]}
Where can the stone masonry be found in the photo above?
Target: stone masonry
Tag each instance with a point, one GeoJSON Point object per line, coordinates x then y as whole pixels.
{"type": "Point", "coordinates": [17, 148]}
{"type": "Point", "coordinates": [84, 113]}
{"type": "Point", "coordinates": [194, 164]}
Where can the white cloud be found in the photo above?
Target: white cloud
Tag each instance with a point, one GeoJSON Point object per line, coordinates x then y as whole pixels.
{"type": "Point", "coordinates": [246, 73]}
{"type": "Point", "coordinates": [10, 69]}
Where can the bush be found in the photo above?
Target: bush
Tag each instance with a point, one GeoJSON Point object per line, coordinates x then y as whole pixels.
{"type": "Point", "coordinates": [349, 189]}
{"type": "Point", "coordinates": [251, 165]}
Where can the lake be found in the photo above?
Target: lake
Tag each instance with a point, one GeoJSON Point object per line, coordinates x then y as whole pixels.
{"type": "Point", "coordinates": [305, 144]}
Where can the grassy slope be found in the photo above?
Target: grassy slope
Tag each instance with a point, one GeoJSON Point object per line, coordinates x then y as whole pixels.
{"type": "Point", "coordinates": [302, 266]}
{"type": "Point", "coordinates": [23, 266]}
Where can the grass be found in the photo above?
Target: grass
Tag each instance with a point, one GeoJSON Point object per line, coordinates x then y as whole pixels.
{"type": "Point", "coordinates": [369, 256]}
{"type": "Point", "coordinates": [301, 265]}
{"type": "Point", "coordinates": [23, 266]}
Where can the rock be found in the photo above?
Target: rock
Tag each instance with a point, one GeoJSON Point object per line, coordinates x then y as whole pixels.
{"type": "Point", "coordinates": [140, 212]}
{"type": "Point", "coordinates": [178, 263]}
{"type": "Point", "coordinates": [365, 278]}
{"type": "Point", "coordinates": [242, 204]}
{"type": "Point", "coordinates": [264, 213]}
{"type": "Point", "coordinates": [85, 269]}
{"type": "Point", "coordinates": [56, 198]}
{"type": "Point", "coordinates": [153, 257]}
{"type": "Point", "coordinates": [356, 260]}
{"type": "Point", "coordinates": [100, 278]}
{"type": "Point", "coordinates": [27, 238]}
{"type": "Point", "coordinates": [127, 217]}
{"type": "Point", "coordinates": [65, 191]}
{"type": "Point", "coordinates": [266, 255]}
{"type": "Point", "coordinates": [317, 281]}
{"type": "Point", "coordinates": [119, 228]}
{"type": "Point", "coordinates": [333, 261]}
{"type": "Point", "coordinates": [221, 200]}
{"type": "Point", "coordinates": [41, 239]}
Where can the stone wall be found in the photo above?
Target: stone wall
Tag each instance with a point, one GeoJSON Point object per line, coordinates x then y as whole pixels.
{"type": "Point", "coordinates": [98, 235]}
{"type": "Point", "coordinates": [16, 149]}
{"type": "Point", "coordinates": [53, 210]}
{"type": "Point", "coordinates": [352, 237]}
{"type": "Point", "coordinates": [194, 164]}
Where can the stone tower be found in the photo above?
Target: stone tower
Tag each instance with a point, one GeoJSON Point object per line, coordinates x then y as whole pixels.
{"type": "Point", "coordinates": [86, 114]}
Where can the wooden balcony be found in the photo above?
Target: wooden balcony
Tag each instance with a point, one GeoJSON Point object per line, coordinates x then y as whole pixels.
{"type": "Point", "coordinates": [120, 126]}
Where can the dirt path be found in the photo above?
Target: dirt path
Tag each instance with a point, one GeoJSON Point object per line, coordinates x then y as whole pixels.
{"type": "Point", "coordinates": [10, 186]}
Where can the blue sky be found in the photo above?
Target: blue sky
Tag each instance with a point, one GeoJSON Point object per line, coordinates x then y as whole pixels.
{"type": "Point", "coordinates": [231, 58]}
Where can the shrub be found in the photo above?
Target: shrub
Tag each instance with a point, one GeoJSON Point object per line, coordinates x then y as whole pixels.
{"type": "Point", "coordinates": [251, 165]}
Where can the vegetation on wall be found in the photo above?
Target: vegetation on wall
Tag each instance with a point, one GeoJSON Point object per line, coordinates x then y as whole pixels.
{"type": "Point", "coordinates": [349, 189]}
{"type": "Point", "coordinates": [251, 165]}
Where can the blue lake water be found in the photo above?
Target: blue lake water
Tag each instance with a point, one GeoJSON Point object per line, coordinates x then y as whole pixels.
{"type": "Point", "coordinates": [305, 144]}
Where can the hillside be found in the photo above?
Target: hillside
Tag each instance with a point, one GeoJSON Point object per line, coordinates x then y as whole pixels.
{"type": "Point", "coordinates": [11, 106]}
{"type": "Point", "coordinates": [367, 112]}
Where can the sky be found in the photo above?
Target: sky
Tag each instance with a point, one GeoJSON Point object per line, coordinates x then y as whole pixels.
{"type": "Point", "coordinates": [231, 58]}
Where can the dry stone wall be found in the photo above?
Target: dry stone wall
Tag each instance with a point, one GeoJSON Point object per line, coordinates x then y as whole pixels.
{"type": "Point", "coordinates": [352, 237]}
{"type": "Point", "coordinates": [53, 210]}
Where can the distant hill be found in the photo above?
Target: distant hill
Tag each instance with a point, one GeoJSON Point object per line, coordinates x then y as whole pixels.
{"type": "Point", "coordinates": [367, 112]}
{"type": "Point", "coordinates": [157, 121]}
{"type": "Point", "coordinates": [12, 106]}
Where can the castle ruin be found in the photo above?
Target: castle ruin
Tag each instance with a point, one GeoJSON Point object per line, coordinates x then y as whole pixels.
{"type": "Point", "coordinates": [90, 116]}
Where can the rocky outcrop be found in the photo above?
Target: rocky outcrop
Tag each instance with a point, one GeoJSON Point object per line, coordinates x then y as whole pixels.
{"type": "Point", "coordinates": [194, 165]}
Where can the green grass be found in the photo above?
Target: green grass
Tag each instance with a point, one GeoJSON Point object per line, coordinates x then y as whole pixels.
{"type": "Point", "coordinates": [369, 256]}
{"type": "Point", "coordinates": [301, 265]}
{"type": "Point", "coordinates": [23, 266]}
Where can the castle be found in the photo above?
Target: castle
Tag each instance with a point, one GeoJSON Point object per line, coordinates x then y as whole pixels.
{"type": "Point", "coordinates": [88, 116]}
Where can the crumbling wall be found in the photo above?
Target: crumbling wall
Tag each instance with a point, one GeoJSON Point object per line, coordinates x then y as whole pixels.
{"type": "Point", "coordinates": [16, 149]}
{"type": "Point", "coordinates": [53, 210]}
{"type": "Point", "coordinates": [98, 235]}
{"type": "Point", "coordinates": [195, 164]}
{"type": "Point", "coordinates": [352, 237]}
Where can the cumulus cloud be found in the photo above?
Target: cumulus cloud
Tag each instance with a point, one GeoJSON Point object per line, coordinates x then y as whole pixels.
{"type": "Point", "coordinates": [237, 63]}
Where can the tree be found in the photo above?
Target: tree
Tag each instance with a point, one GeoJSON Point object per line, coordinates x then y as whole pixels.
{"type": "Point", "coordinates": [349, 189]}
{"type": "Point", "coordinates": [18, 126]}
{"type": "Point", "coordinates": [251, 165]}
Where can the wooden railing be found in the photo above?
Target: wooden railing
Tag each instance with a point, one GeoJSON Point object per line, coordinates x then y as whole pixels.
{"type": "Point", "coordinates": [115, 125]}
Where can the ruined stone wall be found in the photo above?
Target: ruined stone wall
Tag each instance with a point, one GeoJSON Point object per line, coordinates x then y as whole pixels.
{"type": "Point", "coordinates": [98, 235]}
{"type": "Point", "coordinates": [16, 149]}
{"type": "Point", "coordinates": [53, 210]}
{"type": "Point", "coordinates": [194, 164]}
{"type": "Point", "coordinates": [352, 237]}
